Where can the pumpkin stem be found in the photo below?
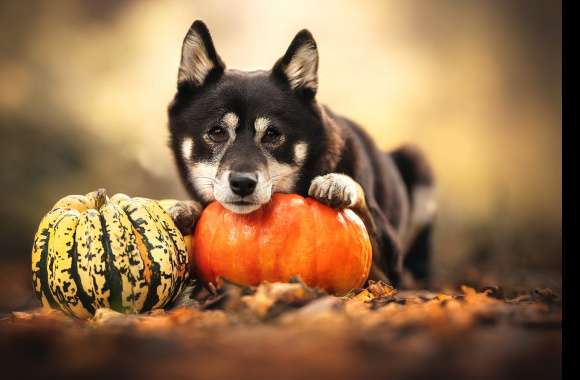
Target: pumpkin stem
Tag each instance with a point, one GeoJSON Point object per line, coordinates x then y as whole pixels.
{"type": "Point", "coordinates": [100, 198]}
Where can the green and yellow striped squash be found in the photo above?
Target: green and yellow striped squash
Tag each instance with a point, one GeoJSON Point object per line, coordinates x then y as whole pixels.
{"type": "Point", "coordinates": [93, 251]}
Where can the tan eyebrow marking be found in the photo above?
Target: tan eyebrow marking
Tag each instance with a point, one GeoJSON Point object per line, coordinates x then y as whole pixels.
{"type": "Point", "coordinates": [300, 151]}
{"type": "Point", "coordinates": [261, 124]}
{"type": "Point", "coordinates": [231, 120]}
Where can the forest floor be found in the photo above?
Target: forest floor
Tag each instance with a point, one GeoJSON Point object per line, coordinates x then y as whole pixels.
{"type": "Point", "coordinates": [290, 331]}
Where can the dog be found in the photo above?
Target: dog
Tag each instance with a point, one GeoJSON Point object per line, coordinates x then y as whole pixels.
{"type": "Point", "coordinates": [238, 137]}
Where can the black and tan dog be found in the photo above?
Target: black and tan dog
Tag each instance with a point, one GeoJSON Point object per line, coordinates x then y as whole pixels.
{"type": "Point", "coordinates": [238, 137]}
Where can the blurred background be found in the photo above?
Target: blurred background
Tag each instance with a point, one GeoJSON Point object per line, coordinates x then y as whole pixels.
{"type": "Point", "coordinates": [84, 87]}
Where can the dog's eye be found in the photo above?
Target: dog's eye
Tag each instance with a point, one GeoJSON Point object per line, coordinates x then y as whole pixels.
{"type": "Point", "coordinates": [271, 135]}
{"type": "Point", "coordinates": [218, 134]}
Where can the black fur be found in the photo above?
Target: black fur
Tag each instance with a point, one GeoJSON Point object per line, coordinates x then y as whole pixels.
{"type": "Point", "coordinates": [335, 145]}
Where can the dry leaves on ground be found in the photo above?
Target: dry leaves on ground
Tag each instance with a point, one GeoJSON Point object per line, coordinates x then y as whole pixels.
{"type": "Point", "coordinates": [288, 330]}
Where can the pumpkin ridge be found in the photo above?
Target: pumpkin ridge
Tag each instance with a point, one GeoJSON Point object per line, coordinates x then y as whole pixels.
{"type": "Point", "coordinates": [40, 258]}
{"type": "Point", "coordinates": [70, 288]}
{"type": "Point", "coordinates": [45, 284]}
{"type": "Point", "coordinates": [113, 278]}
{"type": "Point", "coordinates": [82, 294]}
{"type": "Point", "coordinates": [163, 229]}
{"type": "Point", "coordinates": [98, 269]}
{"type": "Point", "coordinates": [44, 272]}
{"type": "Point", "coordinates": [165, 239]}
{"type": "Point", "coordinates": [85, 238]}
{"type": "Point", "coordinates": [155, 271]}
{"type": "Point", "coordinates": [134, 260]}
{"type": "Point", "coordinates": [141, 247]}
{"type": "Point", "coordinates": [54, 286]}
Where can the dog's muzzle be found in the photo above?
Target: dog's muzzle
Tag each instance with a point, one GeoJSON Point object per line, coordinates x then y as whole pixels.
{"type": "Point", "coordinates": [241, 191]}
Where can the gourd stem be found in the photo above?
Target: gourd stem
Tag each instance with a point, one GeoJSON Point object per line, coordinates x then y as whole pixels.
{"type": "Point", "coordinates": [100, 198]}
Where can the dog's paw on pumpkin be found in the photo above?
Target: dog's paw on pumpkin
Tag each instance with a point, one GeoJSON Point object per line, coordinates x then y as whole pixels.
{"type": "Point", "coordinates": [183, 213]}
{"type": "Point", "coordinates": [335, 190]}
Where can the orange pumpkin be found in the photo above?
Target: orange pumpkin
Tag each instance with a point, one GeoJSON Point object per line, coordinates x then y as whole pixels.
{"type": "Point", "coordinates": [289, 236]}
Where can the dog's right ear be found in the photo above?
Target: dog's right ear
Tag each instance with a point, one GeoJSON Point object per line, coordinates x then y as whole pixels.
{"type": "Point", "coordinates": [298, 68]}
{"type": "Point", "coordinates": [200, 62]}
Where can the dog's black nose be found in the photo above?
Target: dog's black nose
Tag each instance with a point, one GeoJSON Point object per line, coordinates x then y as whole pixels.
{"type": "Point", "coordinates": [242, 183]}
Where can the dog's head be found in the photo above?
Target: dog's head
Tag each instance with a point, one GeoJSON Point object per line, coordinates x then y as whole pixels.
{"type": "Point", "coordinates": [240, 136]}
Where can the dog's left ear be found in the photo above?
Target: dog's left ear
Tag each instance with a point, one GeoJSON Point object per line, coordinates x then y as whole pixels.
{"type": "Point", "coordinates": [299, 66]}
{"type": "Point", "coordinates": [199, 59]}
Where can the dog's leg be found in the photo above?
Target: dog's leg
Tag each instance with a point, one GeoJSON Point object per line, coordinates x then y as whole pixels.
{"type": "Point", "coordinates": [185, 215]}
{"type": "Point", "coordinates": [388, 254]}
{"type": "Point", "coordinates": [419, 182]}
{"type": "Point", "coordinates": [418, 257]}
{"type": "Point", "coordinates": [341, 191]}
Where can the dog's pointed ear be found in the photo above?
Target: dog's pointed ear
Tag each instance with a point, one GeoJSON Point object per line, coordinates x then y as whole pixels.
{"type": "Point", "coordinates": [199, 59]}
{"type": "Point", "coordinates": [299, 66]}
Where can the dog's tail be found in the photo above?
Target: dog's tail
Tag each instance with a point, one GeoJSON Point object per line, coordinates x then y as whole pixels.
{"type": "Point", "coordinates": [413, 167]}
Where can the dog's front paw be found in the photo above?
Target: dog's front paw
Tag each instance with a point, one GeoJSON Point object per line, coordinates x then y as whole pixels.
{"type": "Point", "coordinates": [184, 215]}
{"type": "Point", "coordinates": [336, 190]}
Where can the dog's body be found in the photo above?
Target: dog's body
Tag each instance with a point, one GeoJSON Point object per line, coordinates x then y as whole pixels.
{"type": "Point", "coordinates": [239, 136]}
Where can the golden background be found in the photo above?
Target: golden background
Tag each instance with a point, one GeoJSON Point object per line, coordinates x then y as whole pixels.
{"type": "Point", "coordinates": [84, 87]}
